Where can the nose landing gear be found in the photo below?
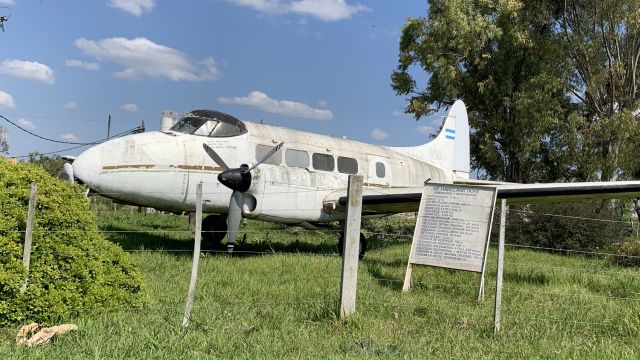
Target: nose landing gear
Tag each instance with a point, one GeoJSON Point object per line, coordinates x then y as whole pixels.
{"type": "Point", "coordinates": [214, 229]}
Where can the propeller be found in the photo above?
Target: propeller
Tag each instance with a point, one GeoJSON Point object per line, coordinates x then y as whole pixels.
{"type": "Point", "coordinates": [238, 180]}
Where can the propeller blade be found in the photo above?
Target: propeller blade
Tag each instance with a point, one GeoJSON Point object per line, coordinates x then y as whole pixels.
{"type": "Point", "coordinates": [215, 157]}
{"type": "Point", "coordinates": [233, 218]}
{"type": "Point", "coordinates": [267, 156]}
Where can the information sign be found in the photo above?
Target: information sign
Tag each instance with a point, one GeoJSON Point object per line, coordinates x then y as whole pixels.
{"type": "Point", "coordinates": [453, 227]}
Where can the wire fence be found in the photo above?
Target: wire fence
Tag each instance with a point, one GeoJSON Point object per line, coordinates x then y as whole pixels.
{"type": "Point", "coordinates": [558, 280]}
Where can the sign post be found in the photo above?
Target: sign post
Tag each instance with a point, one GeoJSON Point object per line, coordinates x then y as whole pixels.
{"type": "Point", "coordinates": [500, 267]}
{"type": "Point", "coordinates": [452, 229]}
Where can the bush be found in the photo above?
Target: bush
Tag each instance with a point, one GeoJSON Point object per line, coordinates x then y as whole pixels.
{"type": "Point", "coordinates": [390, 228]}
{"type": "Point", "coordinates": [625, 253]}
{"type": "Point", "coordinates": [73, 267]}
{"type": "Point", "coordinates": [584, 225]}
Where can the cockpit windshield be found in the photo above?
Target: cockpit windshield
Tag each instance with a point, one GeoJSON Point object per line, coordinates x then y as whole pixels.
{"type": "Point", "coordinates": [209, 123]}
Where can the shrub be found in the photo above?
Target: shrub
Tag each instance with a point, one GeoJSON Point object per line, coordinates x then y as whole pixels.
{"type": "Point", "coordinates": [625, 253]}
{"type": "Point", "coordinates": [398, 227]}
{"type": "Point", "coordinates": [584, 225]}
{"type": "Point", "coordinates": [73, 267]}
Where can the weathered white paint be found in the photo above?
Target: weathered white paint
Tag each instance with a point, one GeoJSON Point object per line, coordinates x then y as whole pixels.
{"type": "Point", "coordinates": [161, 170]}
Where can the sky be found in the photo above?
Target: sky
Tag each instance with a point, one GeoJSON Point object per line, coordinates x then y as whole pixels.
{"type": "Point", "coordinates": [322, 66]}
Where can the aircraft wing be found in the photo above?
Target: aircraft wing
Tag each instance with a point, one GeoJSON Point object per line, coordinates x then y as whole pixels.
{"type": "Point", "coordinates": [407, 199]}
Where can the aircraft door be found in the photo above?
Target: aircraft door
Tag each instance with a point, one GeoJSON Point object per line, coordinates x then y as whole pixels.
{"type": "Point", "coordinates": [379, 171]}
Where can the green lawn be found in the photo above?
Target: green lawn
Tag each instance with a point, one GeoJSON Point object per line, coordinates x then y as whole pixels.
{"type": "Point", "coordinates": [278, 298]}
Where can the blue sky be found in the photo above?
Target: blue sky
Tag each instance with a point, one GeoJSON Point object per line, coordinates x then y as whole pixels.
{"type": "Point", "coordinates": [315, 65]}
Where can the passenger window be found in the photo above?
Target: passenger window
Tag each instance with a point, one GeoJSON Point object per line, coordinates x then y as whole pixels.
{"type": "Point", "coordinates": [261, 152]}
{"type": "Point", "coordinates": [380, 170]}
{"type": "Point", "coordinates": [323, 162]}
{"type": "Point", "coordinates": [296, 158]}
{"type": "Point", "coordinates": [347, 165]}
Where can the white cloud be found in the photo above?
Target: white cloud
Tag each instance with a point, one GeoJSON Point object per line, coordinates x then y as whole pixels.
{"type": "Point", "coordinates": [143, 57]}
{"type": "Point", "coordinates": [378, 134]}
{"type": "Point", "coordinates": [6, 100]}
{"type": "Point", "coordinates": [82, 64]}
{"type": "Point", "coordinates": [264, 6]}
{"type": "Point", "coordinates": [398, 113]}
{"type": "Point", "coordinates": [425, 130]}
{"type": "Point", "coordinates": [28, 69]}
{"type": "Point", "coordinates": [7, 2]}
{"type": "Point", "coordinates": [68, 137]}
{"type": "Point", "coordinates": [263, 102]}
{"type": "Point", "coordinates": [71, 105]}
{"type": "Point", "coordinates": [129, 108]}
{"type": "Point", "coordinates": [134, 7]}
{"type": "Point", "coordinates": [327, 10]}
{"type": "Point", "coordinates": [26, 124]}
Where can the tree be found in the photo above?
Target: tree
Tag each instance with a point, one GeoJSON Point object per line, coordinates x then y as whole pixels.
{"type": "Point", "coordinates": [504, 60]}
{"type": "Point", "coordinates": [602, 39]}
{"type": "Point", "coordinates": [52, 164]}
{"type": "Point", "coordinates": [4, 145]}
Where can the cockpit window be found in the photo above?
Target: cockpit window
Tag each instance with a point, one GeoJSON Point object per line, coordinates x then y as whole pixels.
{"type": "Point", "coordinates": [209, 123]}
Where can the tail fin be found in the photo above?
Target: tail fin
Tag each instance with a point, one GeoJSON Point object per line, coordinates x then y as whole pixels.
{"type": "Point", "coordinates": [450, 149]}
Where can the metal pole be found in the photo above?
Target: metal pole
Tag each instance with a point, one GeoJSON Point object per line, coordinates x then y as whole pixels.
{"type": "Point", "coordinates": [349, 278]}
{"type": "Point", "coordinates": [109, 127]}
{"type": "Point", "coordinates": [196, 258]}
{"type": "Point", "coordinates": [28, 237]}
{"type": "Point", "coordinates": [499, 277]}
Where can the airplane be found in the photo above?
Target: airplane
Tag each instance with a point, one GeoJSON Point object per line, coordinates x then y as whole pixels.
{"type": "Point", "coordinates": [276, 174]}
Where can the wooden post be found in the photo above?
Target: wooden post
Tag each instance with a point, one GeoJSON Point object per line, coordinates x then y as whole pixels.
{"type": "Point", "coordinates": [499, 273]}
{"type": "Point", "coordinates": [28, 236]}
{"type": "Point", "coordinates": [349, 278]}
{"type": "Point", "coordinates": [192, 221]}
{"type": "Point", "coordinates": [196, 258]}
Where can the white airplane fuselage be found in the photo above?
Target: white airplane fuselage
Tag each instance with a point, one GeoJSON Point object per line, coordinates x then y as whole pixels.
{"type": "Point", "coordinates": [161, 170]}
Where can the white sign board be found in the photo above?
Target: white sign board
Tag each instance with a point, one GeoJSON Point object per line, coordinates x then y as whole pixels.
{"type": "Point", "coordinates": [453, 227]}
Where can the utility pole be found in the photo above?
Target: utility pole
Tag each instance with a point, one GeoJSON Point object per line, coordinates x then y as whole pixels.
{"type": "Point", "coordinates": [109, 127]}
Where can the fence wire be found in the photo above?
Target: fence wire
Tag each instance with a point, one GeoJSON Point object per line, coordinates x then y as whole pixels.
{"type": "Point", "coordinates": [379, 269]}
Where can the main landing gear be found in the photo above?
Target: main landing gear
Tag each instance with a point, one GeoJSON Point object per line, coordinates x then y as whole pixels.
{"type": "Point", "coordinates": [363, 243]}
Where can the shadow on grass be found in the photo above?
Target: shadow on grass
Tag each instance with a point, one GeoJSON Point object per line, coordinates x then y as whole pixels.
{"type": "Point", "coordinates": [180, 243]}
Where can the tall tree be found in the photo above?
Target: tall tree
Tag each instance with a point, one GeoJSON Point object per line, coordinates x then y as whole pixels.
{"type": "Point", "coordinates": [503, 58]}
{"type": "Point", "coordinates": [602, 39]}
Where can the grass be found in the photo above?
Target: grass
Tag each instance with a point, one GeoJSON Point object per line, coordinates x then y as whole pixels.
{"type": "Point", "coordinates": [278, 298]}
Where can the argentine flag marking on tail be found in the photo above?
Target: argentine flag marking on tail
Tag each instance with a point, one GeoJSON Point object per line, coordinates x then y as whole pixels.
{"type": "Point", "coordinates": [450, 131]}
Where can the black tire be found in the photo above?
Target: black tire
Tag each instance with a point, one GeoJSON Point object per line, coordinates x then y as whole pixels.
{"type": "Point", "coordinates": [214, 229]}
{"type": "Point", "coordinates": [363, 245]}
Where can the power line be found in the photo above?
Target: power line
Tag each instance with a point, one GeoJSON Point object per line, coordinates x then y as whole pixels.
{"type": "Point", "coordinates": [137, 129]}
{"type": "Point", "coordinates": [132, 131]}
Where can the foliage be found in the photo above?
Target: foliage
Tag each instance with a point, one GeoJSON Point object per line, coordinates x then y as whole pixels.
{"type": "Point", "coordinates": [389, 228]}
{"type": "Point", "coordinates": [73, 267]}
{"type": "Point", "coordinates": [552, 87]}
{"type": "Point", "coordinates": [601, 39]}
{"type": "Point", "coordinates": [501, 57]}
{"type": "Point", "coordinates": [584, 225]}
{"type": "Point", "coordinates": [626, 253]}
{"type": "Point", "coordinates": [52, 164]}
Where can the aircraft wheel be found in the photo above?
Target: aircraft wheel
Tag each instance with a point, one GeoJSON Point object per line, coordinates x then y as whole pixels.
{"type": "Point", "coordinates": [362, 249]}
{"type": "Point", "coordinates": [214, 229]}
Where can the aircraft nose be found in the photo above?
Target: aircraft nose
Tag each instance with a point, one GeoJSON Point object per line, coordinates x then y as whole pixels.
{"type": "Point", "coordinates": [88, 165]}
